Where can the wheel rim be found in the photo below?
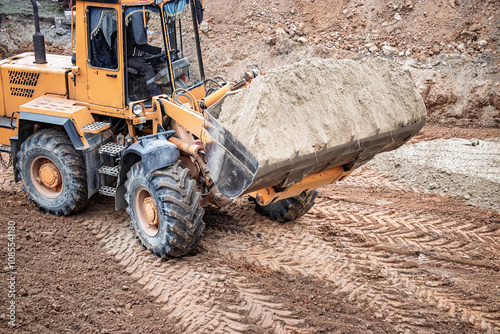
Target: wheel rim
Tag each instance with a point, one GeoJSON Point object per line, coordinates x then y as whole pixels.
{"type": "Point", "coordinates": [147, 212]}
{"type": "Point", "coordinates": [46, 177]}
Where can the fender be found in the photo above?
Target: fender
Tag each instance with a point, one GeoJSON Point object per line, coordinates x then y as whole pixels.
{"type": "Point", "coordinates": [25, 122]}
{"type": "Point", "coordinates": [155, 152]}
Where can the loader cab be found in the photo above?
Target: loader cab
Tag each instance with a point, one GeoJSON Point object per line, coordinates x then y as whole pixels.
{"type": "Point", "coordinates": [113, 31]}
{"type": "Point", "coordinates": [170, 27]}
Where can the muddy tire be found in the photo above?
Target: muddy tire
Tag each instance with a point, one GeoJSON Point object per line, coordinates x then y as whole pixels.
{"type": "Point", "coordinates": [53, 172]}
{"type": "Point", "coordinates": [165, 210]}
{"type": "Point", "coordinates": [288, 209]}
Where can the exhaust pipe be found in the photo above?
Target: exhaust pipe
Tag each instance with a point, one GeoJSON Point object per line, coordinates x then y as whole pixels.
{"type": "Point", "coordinates": [38, 39]}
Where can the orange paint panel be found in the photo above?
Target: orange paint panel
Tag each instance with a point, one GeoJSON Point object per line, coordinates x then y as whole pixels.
{"type": "Point", "coordinates": [190, 120]}
{"type": "Point", "coordinates": [5, 135]}
{"type": "Point", "coordinates": [23, 80]}
{"type": "Point", "coordinates": [61, 107]}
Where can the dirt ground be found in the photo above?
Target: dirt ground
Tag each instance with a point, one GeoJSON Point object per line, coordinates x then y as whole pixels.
{"type": "Point", "coordinates": [381, 252]}
{"type": "Point", "coordinates": [373, 255]}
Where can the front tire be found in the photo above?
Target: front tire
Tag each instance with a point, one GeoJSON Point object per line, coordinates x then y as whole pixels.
{"type": "Point", "coordinates": [165, 210]}
{"type": "Point", "coordinates": [53, 172]}
{"type": "Point", "coordinates": [288, 209]}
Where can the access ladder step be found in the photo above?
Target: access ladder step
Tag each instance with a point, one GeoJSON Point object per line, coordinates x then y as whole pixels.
{"type": "Point", "coordinates": [5, 148]}
{"type": "Point", "coordinates": [8, 123]}
{"type": "Point", "coordinates": [96, 127]}
{"type": "Point", "coordinates": [108, 191]}
{"type": "Point", "coordinates": [111, 149]}
{"type": "Point", "coordinates": [109, 170]}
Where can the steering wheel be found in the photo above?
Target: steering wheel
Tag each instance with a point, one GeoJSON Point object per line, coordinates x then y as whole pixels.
{"type": "Point", "coordinates": [154, 57]}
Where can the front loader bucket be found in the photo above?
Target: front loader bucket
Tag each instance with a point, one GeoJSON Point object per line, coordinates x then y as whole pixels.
{"type": "Point", "coordinates": [236, 171]}
{"type": "Point", "coordinates": [231, 165]}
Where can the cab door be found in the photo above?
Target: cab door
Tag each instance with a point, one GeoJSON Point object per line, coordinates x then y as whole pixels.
{"type": "Point", "coordinates": [104, 57]}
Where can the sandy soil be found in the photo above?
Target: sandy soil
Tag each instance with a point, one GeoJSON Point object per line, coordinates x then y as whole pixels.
{"type": "Point", "coordinates": [290, 101]}
{"type": "Point", "coordinates": [458, 167]}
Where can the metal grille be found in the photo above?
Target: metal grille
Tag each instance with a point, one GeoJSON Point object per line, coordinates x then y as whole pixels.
{"type": "Point", "coordinates": [107, 191]}
{"type": "Point", "coordinates": [24, 92]}
{"type": "Point", "coordinates": [111, 149]}
{"type": "Point", "coordinates": [95, 126]}
{"type": "Point", "coordinates": [23, 78]}
{"type": "Point", "coordinates": [108, 170]}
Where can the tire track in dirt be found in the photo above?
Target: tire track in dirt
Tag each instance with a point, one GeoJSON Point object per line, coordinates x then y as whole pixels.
{"type": "Point", "coordinates": [299, 249]}
{"type": "Point", "coordinates": [189, 289]}
{"type": "Point", "coordinates": [403, 238]}
{"type": "Point", "coordinates": [287, 252]}
{"type": "Point", "coordinates": [432, 243]}
{"type": "Point", "coordinates": [405, 265]}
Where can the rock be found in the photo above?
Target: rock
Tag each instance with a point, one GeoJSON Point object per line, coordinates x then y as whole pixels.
{"type": "Point", "coordinates": [433, 186]}
{"type": "Point", "coordinates": [228, 63]}
{"type": "Point", "coordinates": [270, 40]}
{"type": "Point", "coordinates": [461, 47]}
{"type": "Point", "coordinates": [397, 17]}
{"type": "Point", "coordinates": [389, 50]}
{"type": "Point", "coordinates": [482, 43]}
{"type": "Point", "coordinates": [280, 32]}
{"type": "Point", "coordinates": [373, 49]}
{"type": "Point", "coordinates": [204, 27]}
{"type": "Point", "coordinates": [56, 307]}
{"type": "Point", "coordinates": [467, 34]}
{"type": "Point", "coordinates": [293, 27]}
{"type": "Point", "coordinates": [475, 27]}
{"type": "Point", "coordinates": [302, 40]}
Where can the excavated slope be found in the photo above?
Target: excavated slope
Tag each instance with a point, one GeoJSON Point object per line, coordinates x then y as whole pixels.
{"type": "Point", "coordinates": [316, 102]}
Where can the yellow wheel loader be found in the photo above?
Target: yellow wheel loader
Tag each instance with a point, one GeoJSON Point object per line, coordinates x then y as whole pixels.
{"type": "Point", "coordinates": [131, 120]}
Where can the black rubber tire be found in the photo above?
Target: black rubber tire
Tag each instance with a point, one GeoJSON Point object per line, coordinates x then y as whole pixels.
{"type": "Point", "coordinates": [288, 209]}
{"type": "Point", "coordinates": [178, 202]}
{"type": "Point", "coordinates": [56, 146]}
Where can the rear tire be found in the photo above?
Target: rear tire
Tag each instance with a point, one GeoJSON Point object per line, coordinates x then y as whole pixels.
{"type": "Point", "coordinates": [288, 209]}
{"type": "Point", "coordinates": [53, 172]}
{"type": "Point", "coordinates": [165, 210]}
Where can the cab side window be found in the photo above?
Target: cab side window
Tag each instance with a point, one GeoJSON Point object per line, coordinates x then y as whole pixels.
{"type": "Point", "coordinates": [102, 47]}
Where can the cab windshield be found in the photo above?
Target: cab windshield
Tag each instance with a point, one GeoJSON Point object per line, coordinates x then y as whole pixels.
{"type": "Point", "coordinates": [148, 68]}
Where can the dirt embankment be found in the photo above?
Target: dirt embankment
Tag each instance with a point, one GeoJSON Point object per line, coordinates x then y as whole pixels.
{"type": "Point", "coordinates": [17, 27]}
{"type": "Point", "coordinates": [451, 47]}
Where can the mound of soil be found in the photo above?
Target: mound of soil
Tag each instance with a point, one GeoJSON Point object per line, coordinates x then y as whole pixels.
{"type": "Point", "coordinates": [315, 103]}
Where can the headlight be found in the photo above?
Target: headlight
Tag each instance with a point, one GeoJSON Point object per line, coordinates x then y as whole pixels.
{"type": "Point", "coordinates": [137, 109]}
